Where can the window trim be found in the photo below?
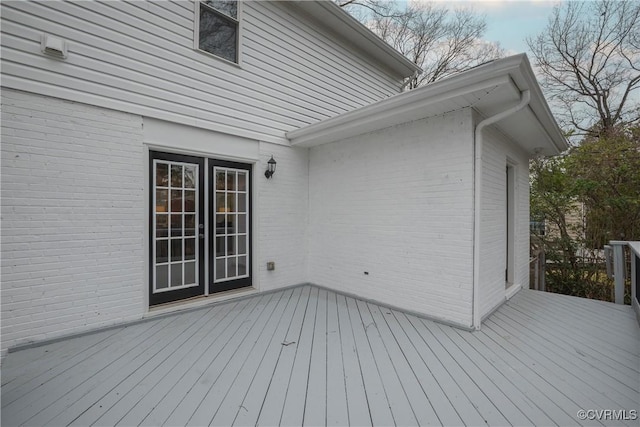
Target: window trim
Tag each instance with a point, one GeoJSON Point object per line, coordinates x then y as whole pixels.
{"type": "Point", "coordinates": [196, 33]}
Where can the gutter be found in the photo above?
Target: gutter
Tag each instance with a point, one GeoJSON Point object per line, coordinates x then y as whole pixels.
{"type": "Point", "coordinates": [409, 79]}
{"type": "Point", "coordinates": [525, 98]}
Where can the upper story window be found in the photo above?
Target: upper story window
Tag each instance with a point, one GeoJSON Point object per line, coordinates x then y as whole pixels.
{"type": "Point", "coordinates": [219, 28]}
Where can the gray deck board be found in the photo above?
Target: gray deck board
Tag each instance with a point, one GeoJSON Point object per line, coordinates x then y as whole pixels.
{"type": "Point", "coordinates": [272, 400]}
{"type": "Point", "coordinates": [309, 356]}
{"type": "Point", "coordinates": [140, 387]}
{"type": "Point", "coordinates": [379, 407]}
{"type": "Point", "coordinates": [337, 407]}
{"type": "Point", "coordinates": [296, 392]}
{"type": "Point", "coordinates": [571, 369]}
{"type": "Point", "coordinates": [357, 404]}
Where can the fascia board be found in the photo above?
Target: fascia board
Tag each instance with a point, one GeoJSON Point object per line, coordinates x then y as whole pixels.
{"type": "Point", "coordinates": [514, 71]}
{"type": "Point", "coordinates": [389, 112]}
{"type": "Point", "coordinates": [540, 108]}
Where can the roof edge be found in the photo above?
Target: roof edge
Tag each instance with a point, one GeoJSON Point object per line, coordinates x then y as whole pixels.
{"type": "Point", "coordinates": [514, 70]}
{"type": "Point", "coordinates": [345, 25]}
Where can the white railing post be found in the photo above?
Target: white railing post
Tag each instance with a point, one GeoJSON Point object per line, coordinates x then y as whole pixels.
{"type": "Point", "coordinates": [618, 269]}
{"type": "Point", "coordinates": [635, 277]}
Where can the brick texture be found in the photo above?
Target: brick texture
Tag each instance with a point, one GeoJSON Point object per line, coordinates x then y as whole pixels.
{"type": "Point", "coordinates": [397, 204]}
{"type": "Point", "coordinates": [283, 204]}
{"type": "Point", "coordinates": [72, 217]}
{"type": "Point", "coordinates": [497, 151]}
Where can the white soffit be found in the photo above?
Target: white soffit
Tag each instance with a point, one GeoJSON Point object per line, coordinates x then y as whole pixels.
{"type": "Point", "coordinates": [488, 89]}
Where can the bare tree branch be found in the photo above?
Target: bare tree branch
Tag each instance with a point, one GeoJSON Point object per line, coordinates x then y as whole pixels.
{"type": "Point", "coordinates": [589, 59]}
{"type": "Point", "coordinates": [439, 40]}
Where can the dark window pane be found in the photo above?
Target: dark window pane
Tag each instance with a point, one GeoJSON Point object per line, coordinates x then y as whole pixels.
{"type": "Point", "coordinates": [162, 251]}
{"type": "Point", "coordinates": [220, 250]}
{"type": "Point", "coordinates": [162, 276]}
{"type": "Point", "coordinates": [189, 201]}
{"type": "Point", "coordinates": [228, 7]}
{"type": "Point", "coordinates": [231, 267]}
{"type": "Point", "coordinates": [220, 180]}
{"type": "Point", "coordinates": [231, 224]}
{"type": "Point", "coordinates": [220, 205]}
{"type": "Point", "coordinates": [242, 223]}
{"type": "Point", "coordinates": [176, 225]}
{"type": "Point", "coordinates": [176, 274]}
{"type": "Point", "coordinates": [190, 176]}
{"type": "Point", "coordinates": [242, 202]}
{"type": "Point", "coordinates": [176, 175]}
{"type": "Point", "coordinates": [189, 249]}
{"type": "Point", "coordinates": [220, 264]}
{"type": "Point", "coordinates": [221, 226]}
{"type": "Point", "coordinates": [242, 265]}
{"type": "Point", "coordinates": [231, 202]}
{"type": "Point", "coordinates": [242, 181]}
{"type": "Point", "coordinates": [176, 200]}
{"type": "Point", "coordinates": [231, 181]}
{"type": "Point", "coordinates": [217, 34]}
{"type": "Point", "coordinates": [189, 225]}
{"type": "Point", "coordinates": [162, 225]}
{"type": "Point", "coordinates": [162, 200]}
{"type": "Point", "coordinates": [189, 273]}
{"type": "Point", "coordinates": [242, 245]}
{"type": "Point", "coordinates": [162, 175]}
{"type": "Point", "coordinates": [231, 245]}
{"type": "Point", "coordinates": [176, 249]}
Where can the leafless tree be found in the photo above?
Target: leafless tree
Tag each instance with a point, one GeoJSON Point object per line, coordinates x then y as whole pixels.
{"type": "Point", "coordinates": [589, 61]}
{"type": "Point", "coordinates": [441, 41]}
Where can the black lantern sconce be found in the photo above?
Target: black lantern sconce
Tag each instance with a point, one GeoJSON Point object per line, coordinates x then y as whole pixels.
{"type": "Point", "coordinates": [271, 168]}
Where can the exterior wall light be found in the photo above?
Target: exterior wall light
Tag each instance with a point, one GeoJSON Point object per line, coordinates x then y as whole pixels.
{"type": "Point", "coordinates": [271, 168]}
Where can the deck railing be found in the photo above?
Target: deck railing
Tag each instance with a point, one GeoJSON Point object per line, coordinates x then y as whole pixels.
{"type": "Point", "coordinates": [615, 253]}
{"type": "Point", "coordinates": [537, 270]}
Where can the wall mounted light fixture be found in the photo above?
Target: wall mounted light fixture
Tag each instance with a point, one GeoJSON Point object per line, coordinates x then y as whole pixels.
{"type": "Point", "coordinates": [271, 168]}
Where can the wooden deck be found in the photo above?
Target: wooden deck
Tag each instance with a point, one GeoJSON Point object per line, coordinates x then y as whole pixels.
{"type": "Point", "coordinates": [307, 356]}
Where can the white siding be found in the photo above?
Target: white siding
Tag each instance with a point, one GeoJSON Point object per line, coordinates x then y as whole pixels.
{"type": "Point", "coordinates": [138, 57]}
{"type": "Point", "coordinates": [497, 149]}
{"type": "Point", "coordinates": [398, 204]}
{"type": "Point", "coordinates": [72, 224]}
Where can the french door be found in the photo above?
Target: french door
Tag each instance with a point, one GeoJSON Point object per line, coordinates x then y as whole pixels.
{"type": "Point", "coordinates": [177, 218]}
{"type": "Point", "coordinates": [230, 229]}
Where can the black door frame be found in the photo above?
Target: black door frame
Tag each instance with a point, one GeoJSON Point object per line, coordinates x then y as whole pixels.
{"type": "Point", "coordinates": [169, 296]}
{"type": "Point", "coordinates": [245, 281]}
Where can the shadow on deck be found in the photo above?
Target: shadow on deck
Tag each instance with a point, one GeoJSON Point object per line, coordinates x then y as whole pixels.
{"type": "Point", "coordinates": [311, 356]}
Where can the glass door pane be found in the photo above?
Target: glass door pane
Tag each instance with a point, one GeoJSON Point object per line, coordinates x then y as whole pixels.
{"type": "Point", "coordinates": [177, 244]}
{"type": "Point", "coordinates": [231, 205]}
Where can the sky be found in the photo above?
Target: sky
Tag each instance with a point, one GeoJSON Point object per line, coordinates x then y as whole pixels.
{"type": "Point", "coordinates": [511, 21]}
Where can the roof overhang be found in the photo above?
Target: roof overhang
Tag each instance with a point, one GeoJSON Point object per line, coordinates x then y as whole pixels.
{"type": "Point", "coordinates": [352, 32]}
{"type": "Point", "coordinates": [488, 89]}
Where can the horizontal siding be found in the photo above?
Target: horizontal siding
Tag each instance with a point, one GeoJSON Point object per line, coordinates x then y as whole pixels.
{"type": "Point", "coordinates": [138, 57]}
{"type": "Point", "coordinates": [397, 205]}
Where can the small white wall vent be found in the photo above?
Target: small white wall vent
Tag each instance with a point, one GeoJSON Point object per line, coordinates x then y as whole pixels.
{"type": "Point", "coordinates": [53, 46]}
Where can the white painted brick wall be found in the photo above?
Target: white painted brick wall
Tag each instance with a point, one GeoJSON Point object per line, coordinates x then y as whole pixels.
{"type": "Point", "coordinates": [72, 217]}
{"type": "Point", "coordinates": [283, 206]}
{"type": "Point", "coordinates": [397, 204]}
{"type": "Point", "coordinates": [496, 149]}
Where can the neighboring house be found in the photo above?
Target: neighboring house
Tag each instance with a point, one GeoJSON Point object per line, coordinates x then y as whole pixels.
{"type": "Point", "coordinates": [136, 135]}
{"type": "Point", "coordinates": [575, 218]}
